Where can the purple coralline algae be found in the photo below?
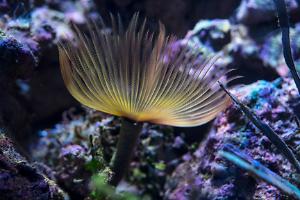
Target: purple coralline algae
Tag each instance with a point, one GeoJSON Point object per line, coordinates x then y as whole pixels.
{"type": "Point", "coordinates": [21, 180]}
{"type": "Point", "coordinates": [30, 79]}
{"type": "Point", "coordinates": [213, 35]}
{"type": "Point", "coordinates": [17, 59]}
{"type": "Point", "coordinates": [271, 51]}
{"type": "Point", "coordinates": [209, 176]}
{"type": "Point", "coordinates": [253, 12]}
{"type": "Point", "coordinates": [233, 43]}
{"type": "Point", "coordinates": [68, 151]}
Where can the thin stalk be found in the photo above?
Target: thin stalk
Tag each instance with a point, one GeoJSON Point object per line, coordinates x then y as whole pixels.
{"type": "Point", "coordinates": [128, 138]}
{"type": "Point", "coordinates": [266, 130]}
{"type": "Point", "coordinates": [285, 28]}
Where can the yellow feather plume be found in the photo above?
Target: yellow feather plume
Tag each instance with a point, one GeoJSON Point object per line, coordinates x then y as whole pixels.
{"type": "Point", "coordinates": [127, 74]}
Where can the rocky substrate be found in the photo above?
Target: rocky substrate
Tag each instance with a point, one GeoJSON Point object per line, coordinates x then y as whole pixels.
{"type": "Point", "coordinates": [206, 175]}
{"type": "Point", "coordinates": [32, 90]}
{"type": "Point", "coordinates": [33, 97]}
{"type": "Point", "coordinates": [69, 147]}
{"type": "Point", "coordinates": [21, 180]}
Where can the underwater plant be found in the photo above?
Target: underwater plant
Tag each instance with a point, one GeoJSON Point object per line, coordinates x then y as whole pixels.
{"type": "Point", "coordinates": [129, 73]}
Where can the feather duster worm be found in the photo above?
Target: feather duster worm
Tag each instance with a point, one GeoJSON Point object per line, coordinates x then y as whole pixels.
{"type": "Point", "coordinates": [128, 73]}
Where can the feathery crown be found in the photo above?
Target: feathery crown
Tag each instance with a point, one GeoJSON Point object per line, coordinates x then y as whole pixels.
{"type": "Point", "coordinates": [128, 74]}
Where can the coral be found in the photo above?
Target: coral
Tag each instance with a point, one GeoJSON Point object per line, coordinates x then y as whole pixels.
{"type": "Point", "coordinates": [19, 179]}
{"type": "Point", "coordinates": [217, 178]}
